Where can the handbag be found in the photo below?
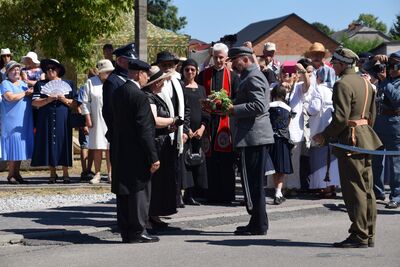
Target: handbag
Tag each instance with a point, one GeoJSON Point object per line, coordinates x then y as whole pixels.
{"type": "Point", "coordinates": [192, 159]}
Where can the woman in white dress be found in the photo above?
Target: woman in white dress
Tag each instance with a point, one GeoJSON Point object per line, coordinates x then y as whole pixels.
{"type": "Point", "coordinates": [320, 110]}
{"type": "Point", "coordinates": [92, 104]}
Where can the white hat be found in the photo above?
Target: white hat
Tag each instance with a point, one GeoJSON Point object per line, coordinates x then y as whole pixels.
{"type": "Point", "coordinates": [5, 51]}
{"type": "Point", "coordinates": [269, 46]}
{"type": "Point", "coordinates": [104, 65]}
{"type": "Point", "coordinates": [33, 56]}
{"type": "Point", "coordinates": [156, 74]}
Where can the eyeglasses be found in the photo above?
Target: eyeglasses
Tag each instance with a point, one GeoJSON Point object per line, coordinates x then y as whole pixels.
{"type": "Point", "coordinates": [190, 69]}
{"type": "Point", "coordinates": [6, 55]}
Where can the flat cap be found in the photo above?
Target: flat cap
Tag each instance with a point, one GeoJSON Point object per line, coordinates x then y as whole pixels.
{"type": "Point", "coordinates": [138, 64]}
{"type": "Point", "coordinates": [127, 51]}
{"type": "Point", "coordinates": [239, 51]}
{"type": "Point", "coordinates": [344, 55]}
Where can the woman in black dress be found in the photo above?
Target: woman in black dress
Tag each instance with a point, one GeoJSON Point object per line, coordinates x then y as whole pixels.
{"type": "Point", "coordinates": [53, 138]}
{"type": "Point", "coordinates": [163, 184]}
{"type": "Point", "coordinates": [195, 177]}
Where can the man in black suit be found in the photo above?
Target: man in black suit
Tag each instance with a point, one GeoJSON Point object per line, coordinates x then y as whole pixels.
{"type": "Point", "coordinates": [117, 78]}
{"type": "Point", "coordinates": [134, 155]}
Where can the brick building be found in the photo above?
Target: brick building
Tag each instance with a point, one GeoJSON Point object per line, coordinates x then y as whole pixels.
{"type": "Point", "coordinates": [291, 34]}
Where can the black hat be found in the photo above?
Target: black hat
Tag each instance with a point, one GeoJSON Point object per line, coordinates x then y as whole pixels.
{"type": "Point", "coordinates": [138, 64]}
{"type": "Point", "coordinates": [366, 55]}
{"type": "Point", "coordinates": [128, 51]}
{"type": "Point", "coordinates": [165, 56]}
{"type": "Point", "coordinates": [239, 51]}
{"type": "Point", "coordinates": [44, 63]}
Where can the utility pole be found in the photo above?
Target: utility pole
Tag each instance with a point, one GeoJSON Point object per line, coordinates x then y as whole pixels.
{"type": "Point", "coordinates": [141, 28]}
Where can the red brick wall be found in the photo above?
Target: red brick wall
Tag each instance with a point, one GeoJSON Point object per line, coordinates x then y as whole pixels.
{"type": "Point", "coordinates": [293, 37]}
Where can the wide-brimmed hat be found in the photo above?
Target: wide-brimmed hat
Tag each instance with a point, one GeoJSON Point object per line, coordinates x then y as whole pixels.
{"type": "Point", "coordinates": [316, 48]}
{"type": "Point", "coordinates": [5, 51]}
{"type": "Point", "coordinates": [156, 74]}
{"type": "Point", "coordinates": [12, 64]}
{"type": "Point", "coordinates": [165, 56]}
{"type": "Point", "coordinates": [44, 63]}
{"type": "Point", "coordinates": [33, 56]}
{"type": "Point", "coordinates": [104, 65]}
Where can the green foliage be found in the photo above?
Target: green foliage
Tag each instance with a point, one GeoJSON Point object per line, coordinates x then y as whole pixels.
{"type": "Point", "coordinates": [371, 21]}
{"type": "Point", "coordinates": [323, 28]}
{"type": "Point", "coordinates": [164, 15]}
{"type": "Point", "coordinates": [358, 46]}
{"type": "Point", "coordinates": [66, 30]}
{"type": "Point", "coordinates": [395, 29]}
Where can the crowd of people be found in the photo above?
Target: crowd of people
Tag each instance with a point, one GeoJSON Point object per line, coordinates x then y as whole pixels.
{"type": "Point", "coordinates": [164, 149]}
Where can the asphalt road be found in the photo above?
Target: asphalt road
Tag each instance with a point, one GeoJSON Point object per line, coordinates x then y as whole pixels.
{"type": "Point", "coordinates": [303, 240]}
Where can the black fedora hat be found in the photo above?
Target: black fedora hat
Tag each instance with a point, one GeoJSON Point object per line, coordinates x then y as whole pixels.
{"type": "Point", "coordinates": [44, 63]}
{"type": "Point", "coordinates": [165, 56]}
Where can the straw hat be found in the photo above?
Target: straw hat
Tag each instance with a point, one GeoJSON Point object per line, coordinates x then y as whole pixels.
{"type": "Point", "coordinates": [316, 48]}
{"type": "Point", "coordinates": [156, 74]}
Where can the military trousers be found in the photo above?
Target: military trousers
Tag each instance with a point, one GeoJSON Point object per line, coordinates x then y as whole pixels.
{"type": "Point", "coordinates": [357, 187]}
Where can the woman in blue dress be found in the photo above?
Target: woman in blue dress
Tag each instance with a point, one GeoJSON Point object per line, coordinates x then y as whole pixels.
{"type": "Point", "coordinates": [16, 122]}
{"type": "Point", "coordinates": [53, 139]}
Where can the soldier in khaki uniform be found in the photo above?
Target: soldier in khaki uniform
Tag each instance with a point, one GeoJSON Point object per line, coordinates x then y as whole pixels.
{"type": "Point", "coordinates": [352, 120]}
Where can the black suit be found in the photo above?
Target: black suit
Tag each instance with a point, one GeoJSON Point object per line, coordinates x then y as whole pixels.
{"type": "Point", "coordinates": [133, 153]}
{"type": "Point", "coordinates": [117, 78]}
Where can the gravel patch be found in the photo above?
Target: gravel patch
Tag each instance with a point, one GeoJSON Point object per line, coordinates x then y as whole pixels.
{"type": "Point", "coordinates": [35, 202]}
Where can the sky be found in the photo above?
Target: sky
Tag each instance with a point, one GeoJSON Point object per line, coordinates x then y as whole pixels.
{"type": "Point", "coordinates": [209, 20]}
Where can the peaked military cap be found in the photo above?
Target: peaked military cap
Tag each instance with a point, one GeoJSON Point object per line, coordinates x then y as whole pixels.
{"type": "Point", "coordinates": [344, 55]}
{"type": "Point", "coordinates": [138, 64]}
{"type": "Point", "coordinates": [127, 51]}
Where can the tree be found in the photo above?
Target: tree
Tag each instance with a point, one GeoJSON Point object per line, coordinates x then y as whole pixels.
{"type": "Point", "coordinates": [395, 29]}
{"type": "Point", "coordinates": [371, 21]}
{"type": "Point", "coordinates": [358, 45]}
{"type": "Point", "coordinates": [65, 29]}
{"type": "Point", "coordinates": [164, 15]}
{"type": "Point", "coordinates": [323, 28]}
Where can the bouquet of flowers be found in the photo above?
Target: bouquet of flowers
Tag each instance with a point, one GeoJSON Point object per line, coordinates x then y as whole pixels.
{"type": "Point", "coordinates": [217, 103]}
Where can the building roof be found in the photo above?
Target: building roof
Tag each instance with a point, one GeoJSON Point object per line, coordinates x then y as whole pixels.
{"type": "Point", "coordinates": [355, 29]}
{"type": "Point", "coordinates": [257, 30]}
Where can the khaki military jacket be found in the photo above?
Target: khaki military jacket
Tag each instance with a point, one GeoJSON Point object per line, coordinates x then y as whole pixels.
{"type": "Point", "coordinates": [349, 96]}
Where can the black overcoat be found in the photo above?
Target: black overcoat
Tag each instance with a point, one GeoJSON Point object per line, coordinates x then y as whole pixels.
{"type": "Point", "coordinates": [117, 78]}
{"type": "Point", "coordinates": [133, 140]}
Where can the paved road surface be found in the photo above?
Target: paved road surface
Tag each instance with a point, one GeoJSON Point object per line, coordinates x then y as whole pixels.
{"type": "Point", "coordinates": [296, 241]}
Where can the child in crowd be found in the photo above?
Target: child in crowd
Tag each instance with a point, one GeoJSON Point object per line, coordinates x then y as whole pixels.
{"type": "Point", "coordinates": [280, 114]}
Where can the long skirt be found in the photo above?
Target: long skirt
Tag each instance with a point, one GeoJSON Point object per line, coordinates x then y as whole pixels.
{"type": "Point", "coordinates": [163, 182]}
{"type": "Point", "coordinates": [318, 167]}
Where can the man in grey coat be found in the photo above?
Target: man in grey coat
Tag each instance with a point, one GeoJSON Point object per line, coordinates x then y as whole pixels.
{"type": "Point", "coordinates": [253, 135]}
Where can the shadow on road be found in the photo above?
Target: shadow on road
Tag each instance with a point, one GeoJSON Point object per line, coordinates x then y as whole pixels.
{"type": "Point", "coordinates": [260, 242]}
